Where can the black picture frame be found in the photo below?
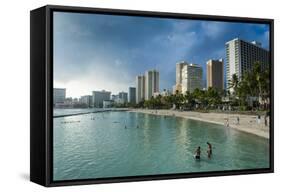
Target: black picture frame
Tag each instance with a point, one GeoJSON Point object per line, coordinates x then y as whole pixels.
{"type": "Point", "coordinates": [41, 94]}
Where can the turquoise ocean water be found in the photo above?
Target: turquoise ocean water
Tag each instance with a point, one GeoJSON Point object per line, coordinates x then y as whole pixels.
{"type": "Point", "coordinates": [114, 144]}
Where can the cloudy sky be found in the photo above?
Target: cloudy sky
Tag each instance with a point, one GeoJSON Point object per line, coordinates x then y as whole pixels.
{"type": "Point", "coordinates": [95, 52]}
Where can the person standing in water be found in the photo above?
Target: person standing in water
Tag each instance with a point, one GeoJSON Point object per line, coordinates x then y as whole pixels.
{"type": "Point", "coordinates": [197, 153]}
{"type": "Point", "coordinates": [226, 123]}
{"type": "Point", "coordinates": [209, 151]}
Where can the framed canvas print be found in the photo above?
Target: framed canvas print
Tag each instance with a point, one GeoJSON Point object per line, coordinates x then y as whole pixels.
{"type": "Point", "coordinates": [119, 95]}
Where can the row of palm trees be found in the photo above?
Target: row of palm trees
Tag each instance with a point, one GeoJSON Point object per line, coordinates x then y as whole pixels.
{"type": "Point", "coordinates": [197, 99]}
{"type": "Point", "coordinates": [250, 90]}
{"type": "Point", "coordinates": [253, 86]}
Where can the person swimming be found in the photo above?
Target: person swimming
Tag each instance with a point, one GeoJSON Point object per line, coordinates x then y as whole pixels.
{"type": "Point", "coordinates": [197, 153]}
{"type": "Point", "coordinates": [209, 151]}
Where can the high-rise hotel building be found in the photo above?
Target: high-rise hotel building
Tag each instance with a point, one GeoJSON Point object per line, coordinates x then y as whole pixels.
{"type": "Point", "coordinates": [140, 88]}
{"type": "Point", "coordinates": [188, 77]}
{"type": "Point", "coordinates": [147, 85]}
{"type": "Point", "coordinates": [178, 86]}
{"type": "Point", "coordinates": [215, 74]}
{"type": "Point", "coordinates": [151, 83]}
{"type": "Point", "coordinates": [59, 95]}
{"type": "Point", "coordinates": [191, 77]}
{"type": "Point", "coordinates": [179, 67]}
{"type": "Point", "coordinates": [99, 96]}
{"type": "Point", "coordinates": [241, 56]}
{"type": "Point", "coordinates": [87, 100]}
{"type": "Point", "coordinates": [123, 96]}
{"type": "Point", "coordinates": [132, 95]}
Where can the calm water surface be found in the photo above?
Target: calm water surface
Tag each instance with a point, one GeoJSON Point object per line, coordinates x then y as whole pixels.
{"type": "Point", "coordinates": [99, 145]}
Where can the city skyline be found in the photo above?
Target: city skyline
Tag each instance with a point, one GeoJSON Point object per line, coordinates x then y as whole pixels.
{"type": "Point", "coordinates": [95, 52]}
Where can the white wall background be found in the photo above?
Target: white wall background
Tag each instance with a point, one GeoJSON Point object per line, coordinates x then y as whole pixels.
{"type": "Point", "coordinates": [14, 95]}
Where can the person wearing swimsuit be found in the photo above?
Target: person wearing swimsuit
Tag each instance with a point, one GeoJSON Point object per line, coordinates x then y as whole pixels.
{"type": "Point", "coordinates": [197, 153]}
{"type": "Point", "coordinates": [209, 151]}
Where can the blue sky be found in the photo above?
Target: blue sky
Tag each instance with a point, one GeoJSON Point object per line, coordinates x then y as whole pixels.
{"type": "Point", "coordinates": [95, 52]}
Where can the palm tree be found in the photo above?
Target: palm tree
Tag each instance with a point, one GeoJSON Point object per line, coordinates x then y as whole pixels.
{"type": "Point", "coordinates": [262, 80]}
{"type": "Point", "coordinates": [213, 96]}
{"type": "Point", "coordinates": [200, 97]}
{"type": "Point", "coordinates": [169, 101]}
{"type": "Point", "coordinates": [234, 83]}
{"type": "Point", "coordinates": [177, 99]}
{"type": "Point", "coordinates": [253, 84]}
{"type": "Point", "coordinates": [242, 92]}
{"type": "Point", "coordinates": [188, 99]}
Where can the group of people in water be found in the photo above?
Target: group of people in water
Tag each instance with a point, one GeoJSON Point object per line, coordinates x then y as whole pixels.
{"type": "Point", "coordinates": [198, 151]}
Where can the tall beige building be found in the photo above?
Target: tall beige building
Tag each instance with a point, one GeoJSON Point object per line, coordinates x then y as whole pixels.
{"type": "Point", "coordinates": [188, 77]}
{"type": "Point", "coordinates": [215, 74]}
{"type": "Point", "coordinates": [151, 83]}
{"type": "Point", "coordinates": [179, 67]}
{"type": "Point", "coordinates": [140, 88]}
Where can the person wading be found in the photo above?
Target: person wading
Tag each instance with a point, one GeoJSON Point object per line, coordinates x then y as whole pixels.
{"type": "Point", "coordinates": [209, 151]}
{"type": "Point", "coordinates": [197, 153]}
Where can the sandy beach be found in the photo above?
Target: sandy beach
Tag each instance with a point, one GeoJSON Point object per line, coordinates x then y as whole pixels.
{"type": "Point", "coordinates": [247, 123]}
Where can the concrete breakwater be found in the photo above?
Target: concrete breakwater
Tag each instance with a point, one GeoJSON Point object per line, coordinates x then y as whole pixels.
{"type": "Point", "coordinates": [89, 112]}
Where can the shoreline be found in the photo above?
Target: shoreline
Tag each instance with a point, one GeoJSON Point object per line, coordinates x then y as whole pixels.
{"type": "Point", "coordinates": [246, 124]}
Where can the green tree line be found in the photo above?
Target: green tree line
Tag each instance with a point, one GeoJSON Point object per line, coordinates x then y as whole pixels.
{"type": "Point", "coordinates": [249, 91]}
